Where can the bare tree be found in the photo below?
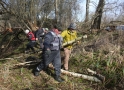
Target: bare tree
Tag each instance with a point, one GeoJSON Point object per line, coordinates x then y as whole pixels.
{"type": "Point", "coordinates": [29, 12]}
{"type": "Point", "coordinates": [98, 15]}
{"type": "Point", "coordinates": [56, 10]}
{"type": "Point", "coordinates": [87, 11]}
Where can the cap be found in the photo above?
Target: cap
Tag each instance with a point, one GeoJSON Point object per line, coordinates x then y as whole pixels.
{"type": "Point", "coordinates": [46, 29]}
{"type": "Point", "coordinates": [57, 26]}
{"type": "Point", "coordinates": [60, 29]}
{"type": "Point", "coordinates": [72, 26]}
{"type": "Point", "coordinates": [26, 31]}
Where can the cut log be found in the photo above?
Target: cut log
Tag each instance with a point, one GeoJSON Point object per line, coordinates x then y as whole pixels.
{"type": "Point", "coordinates": [70, 42]}
{"type": "Point", "coordinates": [87, 77]}
{"type": "Point", "coordinates": [101, 77]}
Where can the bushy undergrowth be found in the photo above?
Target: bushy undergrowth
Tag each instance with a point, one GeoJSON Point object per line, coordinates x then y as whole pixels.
{"type": "Point", "coordinates": [103, 53]}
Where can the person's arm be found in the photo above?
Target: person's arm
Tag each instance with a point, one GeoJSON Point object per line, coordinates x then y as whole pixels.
{"type": "Point", "coordinates": [63, 34]}
{"type": "Point", "coordinates": [36, 34]}
{"type": "Point", "coordinates": [30, 36]}
{"type": "Point", "coordinates": [75, 34]}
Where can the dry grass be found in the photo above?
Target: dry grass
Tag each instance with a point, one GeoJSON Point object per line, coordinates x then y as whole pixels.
{"type": "Point", "coordinates": [103, 53]}
{"type": "Point", "coordinates": [21, 78]}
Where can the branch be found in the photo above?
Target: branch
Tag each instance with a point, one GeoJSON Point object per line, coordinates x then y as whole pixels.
{"type": "Point", "coordinates": [10, 58]}
{"type": "Point", "coordinates": [27, 63]}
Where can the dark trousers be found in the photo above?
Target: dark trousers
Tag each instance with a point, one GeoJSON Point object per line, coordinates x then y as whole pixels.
{"type": "Point", "coordinates": [41, 42]}
{"type": "Point", "coordinates": [54, 58]}
{"type": "Point", "coordinates": [31, 45]}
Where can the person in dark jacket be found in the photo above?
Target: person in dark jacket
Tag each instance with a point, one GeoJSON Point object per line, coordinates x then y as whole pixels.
{"type": "Point", "coordinates": [51, 53]}
{"type": "Point", "coordinates": [40, 33]}
{"type": "Point", "coordinates": [32, 41]}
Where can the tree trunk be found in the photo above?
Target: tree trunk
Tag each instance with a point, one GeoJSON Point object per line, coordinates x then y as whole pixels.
{"type": "Point", "coordinates": [56, 11]}
{"type": "Point", "coordinates": [98, 15]}
{"type": "Point", "coordinates": [87, 11]}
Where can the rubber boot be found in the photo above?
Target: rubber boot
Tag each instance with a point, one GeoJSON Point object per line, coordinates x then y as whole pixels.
{"type": "Point", "coordinates": [36, 72]}
{"type": "Point", "coordinates": [59, 79]}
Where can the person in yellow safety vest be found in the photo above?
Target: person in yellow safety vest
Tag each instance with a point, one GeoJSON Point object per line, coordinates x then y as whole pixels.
{"type": "Point", "coordinates": [68, 35]}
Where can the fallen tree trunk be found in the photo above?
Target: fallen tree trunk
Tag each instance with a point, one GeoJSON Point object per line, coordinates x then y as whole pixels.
{"type": "Point", "coordinates": [87, 77]}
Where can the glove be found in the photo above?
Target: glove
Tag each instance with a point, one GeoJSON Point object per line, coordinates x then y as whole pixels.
{"type": "Point", "coordinates": [78, 42]}
{"type": "Point", "coordinates": [62, 49]}
{"type": "Point", "coordinates": [48, 51]}
{"type": "Point", "coordinates": [36, 39]}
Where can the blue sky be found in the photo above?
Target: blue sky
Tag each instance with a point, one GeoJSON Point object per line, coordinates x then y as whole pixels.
{"type": "Point", "coordinates": [94, 3]}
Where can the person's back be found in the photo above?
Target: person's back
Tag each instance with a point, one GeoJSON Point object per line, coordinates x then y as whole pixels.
{"type": "Point", "coordinates": [51, 54]}
{"type": "Point", "coordinates": [39, 33]}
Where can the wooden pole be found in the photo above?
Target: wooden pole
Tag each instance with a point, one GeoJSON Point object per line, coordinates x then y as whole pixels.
{"type": "Point", "coordinates": [70, 42]}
